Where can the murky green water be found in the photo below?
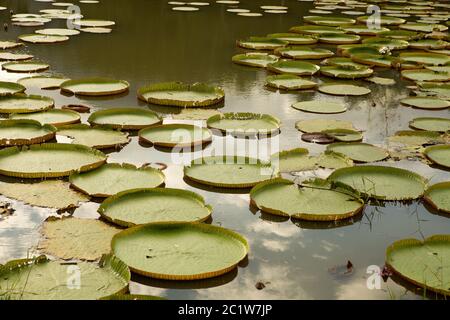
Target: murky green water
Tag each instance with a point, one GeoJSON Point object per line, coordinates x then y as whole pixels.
{"type": "Point", "coordinates": [151, 43]}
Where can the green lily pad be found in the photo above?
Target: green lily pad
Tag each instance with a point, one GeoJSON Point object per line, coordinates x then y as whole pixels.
{"type": "Point", "coordinates": [426, 58]}
{"type": "Point", "coordinates": [195, 114]}
{"type": "Point", "coordinates": [125, 118]}
{"type": "Point", "coordinates": [293, 38]}
{"type": "Point", "coordinates": [93, 23]}
{"type": "Point", "coordinates": [345, 135]}
{"type": "Point", "coordinates": [349, 50]}
{"type": "Point", "coordinates": [4, 45]}
{"type": "Point", "coordinates": [25, 66]}
{"type": "Point", "coordinates": [329, 21]}
{"type": "Point", "coordinates": [439, 154]}
{"type": "Point", "coordinates": [22, 103]}
{"type": "Point", "coordinates": [340, 61]}
{"type": "Point", "coordinates": [142, 206]}
{"type": "Point", "coordinates": [42, 82]}
{"type": "Point", "coordinates": [181, 95]}
{"type": "Point", "coordinates": [437, 89]}
{"type": "Point", "coordinates": [381, 81]}
{"type": "Point", "coordinates": [374, 59]}
{"type": "Point", "coordinates": [180, 251]}
{"type": "Point", "coordinates": [57, 32]}
{"type": "Point", "coordinates": [383, 20]}
{"type": "Point", "coordinates": [261, 43]}
{"type": "Point", "coordinates": [426, 103]}
{"type": "Point", "coordinates": [289, 82]}
{"type": "Point", "coordinates": [254, 59]}
{"type": "Point", "coordinates": [338, 38]}
{"type": "Point", "coordinates": [315, 29]}
{"type": "Point", "coordinates": [100, 30]}
{"type": "Point", "coordinates": [9, 88]}
{"type": "Point", "coordinates": [56, 160]}
{"type": "Point", "coordinates": [244, 123]}
{"type": "Point", "coordinates": [54, 117]}
{"type": "Point", "coordinates": [423, 27]}
{"type": "Point", "coordinates": [392, 44]}
{"type": "Point", "coordinates": [301, 52]}
{"type": "Point", "coordinates": [416, 138]}
{"type": "Point", "coordinates": [8, 56]}
{"type": "Point", "coordinates": [358, 151]}
{"type": "Point", "coordinates": [42, 279]}
{"type": "Point", "coordinates": [399, 34]}
{"type": "Point", "coordinates": [299, 68]}
{"type": "Point", "coordinates": [438, 196]}
{"type": "Point", "coordinates": [425, 75]}
{"type": "Point", "coordinates": [95, 86]}
{"type": "Point", "coordinates": [42, 39]}
{"type": "Point", "coordinates": [430, 124]}
{"type": "Point", "coordinates": [346, 72]}
{"type": "Point", "coordinates": [383, 183]}
{"type": "Point", "coordinates": [24, 132]}
{"type": "Point", "coordinates": [319, 125]}
{"type": "Point", "coordinates": [428, 44]}
{"type": "Point", "coordinates": [98, 137]}
{"type": "Point", "coordinates": [285, 198]}
{"type": "Point", "coordinates": [363, 30]}
{"type": "Point", "coordinates": [175, 135]}
{"type": "Point", "coordinates": [339, 89]}
{"type": "Point", "coordinates": [320, 106]}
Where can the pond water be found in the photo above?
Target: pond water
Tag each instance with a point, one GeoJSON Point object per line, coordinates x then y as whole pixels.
{"type": "Point", "coordinates": [151, 43]}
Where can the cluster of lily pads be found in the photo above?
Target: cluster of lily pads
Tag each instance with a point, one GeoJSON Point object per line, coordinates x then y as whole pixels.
{"type": "Point", "coordinates": [232, 7]}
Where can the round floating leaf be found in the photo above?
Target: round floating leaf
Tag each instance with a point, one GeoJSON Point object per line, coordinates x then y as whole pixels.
{"type": "Point", "coordinates": [285, 198]}
{"type": "Point", "coordinates": [93, 23]}
{"type": "Point", "coordinates": [383, 183]}
{"type": "Point", "coordinates": [299, 68]}
{"type": "Point", "coordinates": [301, 52]}
{"type": "Point", "coordinates": [75, 238]}
{"type": "Point", "coordinates": [195, 114]}
{"type": "Point", "coordinates": [113, 178]}
{"type": "Point", "coordinates": [185, 8]}
{"type": "Point", "coordinates": [358, 151]}
{"type": "Point", "coordinates": [346, 72]}
{"type": "Point", "coordinates": [4, 45]}
{"type": "Point", "coordinates": [438, 195]}
{"type": "Point", "coordinates": [180, 251]}
{"type": "Point", "coordinates": [317, 137]}
{"type": "Point", "coordinates": [383, 20]}
{"type": "Point", "coordinates": [42, 82]}
{"type": "Point", "coordinates": [350, 50]}
{"type": "Point", "coordinates": [42, 279]}
{"type": "Point", "coordinates": [98, 137]}
{"type": "Point", "coordinates": [244, 123]}
{"type": "Point", "coordinates": [22, 103]}
{"type": "Point", "coordinates": [55, 117]}
{"type": "Point", "coordinates": [430, 124]}
{"type": "Point", "coordinates": [340, 61]}
{"type": "Point", "coordinates": [175, 135]}
{"type": "Point", "coordinates": [319, 125]}
{"type": "Point", "coordinates": [392, 44]}
{"type": "Point", "coordinates": [345, 135]}
{"type": "Point", "coordinates": [338, 38]}
{"type": "Point", "coordinates": [320, 106]}
{"type": "Point", "coordinates": [8, 56]}
{"type": "Point", "coordinates": [293, 38]}
{"type": "Point", "coordinates": [181, 95]}
{"type": "Point", "coordinates": [425, 75]}
{"type": "Point", "coordinates": [399, 34]}
{"type": "Point", "coordinates": [8, 88]}
{"type": "Point", "coordinates": [25, 66]}
{"type": "Point", "coordinates": [437, 89]}
{"type": "Point", "coordinates": [416, 138]}
{"type": "Point", "coordinates": [58, 32]}
{"type": "Point", "coordinates": [41, 38]}
{"type": "Point", "coordinates": [96, 30]}
{"type": "Point", "coordinates": [289, 82]}
{"type": "Point", "coordinates": [254, 59]}
{"type": "Point", "coordinates": [55, 160]}
{"type": "Point", "coordinates": [422, 27]}
{"type": "Point", "coordinates": [125, 118]}
{"type": "Point", "coordinates": [428, 44]}
{"type": "Point", "coordinates": [381, 81]}
{"type": "Point", "coordinates": [374, 59]}
{"type": "Point", "coordinates": [261, 43]}
{"type": "Point", "coordinates": [141, 206]}
{"type": "Point", "coordinates": [439, 154]}
{"type": "Point", "coordinates": [424, 264]}
{"type": "Point", "coordinates": [363, 30]}
{"type": "Point", "coordinates": [426, 103]}
{"type": "Point", "coordinates": [95, 86]}
{"type": "Point", "coordinates": [427, 58]}
{"type": "Point", "coordinates": [329, 21]}
{"type": "Point", "coordinates": [229, 171]}
{"type": "Point", "coordinates": [24, 132]}
{"type": "Point", "coordinates": [315, 29]}
{"type": "Point", "coordinates": [339, 89]}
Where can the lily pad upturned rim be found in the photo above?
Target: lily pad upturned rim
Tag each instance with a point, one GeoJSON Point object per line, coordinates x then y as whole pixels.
{"type": "Point", "coordinates": [43, 77]}
{"type": "Point", "coordinates": [102, 210]}
{"type": "Point", "coordinates": [417, 127]}
{"type": "Point", "coordinates": [428, 198]}
{"type": "Point", "coordinates": [428, 150]}
{"type": "Point", "coordinates": [17, 87]}
{"type": "Point", "coordinates": [77, 117]}
{"type": "Point", "coordinates": [303, 83]}
{"type": "Point", "coordinates": [310, 53]}
{"type": "Point", "coordinates": [345, 72]}
{"type": "Point", "coordinates": [356, 144]}
{"type": "Point", "coordinates": [245, 59]}
{"type": "Point", "coordinates": [49, 135]}
{"type": "Point", "coordinates": [339, 107]}
{"type": "Point", "coordinates": [200, 226]}
{"type": "Point", "coordinates": [275, 43]}
{"type": "Point", "coordinates": [43, 66]}
{"type": "Point", "coordinates": [65, 86]}
{"type": "Point", "coordinates": [308, 68]}
{"type": "Point", "coordinates": [57, 38]}
{"type": "Point", "coordinates": [130, 110]}
{"type": "Point", "coordinates": [248, 115]}
{"type": "Point", "coordinates": [175, 126]}
{"type": "Point", "coordinates": [105, 129]}
{"type": "Point", "coordinates": [410, 102]}
{"type": "Point", "coordinates": [50, 103]}
{"type": "Point", "coordinates": [322, 88]}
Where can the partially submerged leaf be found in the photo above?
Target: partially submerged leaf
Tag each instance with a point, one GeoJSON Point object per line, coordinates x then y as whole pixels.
{"type": "Point", "coordinates": [97, 137]}
{"type": "Point", "coordinates": [438, 195]}
{"type": "Point", "coordinates": [358, 151]}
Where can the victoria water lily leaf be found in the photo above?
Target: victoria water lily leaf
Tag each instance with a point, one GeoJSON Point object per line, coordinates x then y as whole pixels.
{"type": "Point", "coordinates": [254, 59]}
{"type": "Point", "coordinates": [416, 138]}
{"type": "Point", "coordinates": [95, 86]}
{"type": "Point", "coordinates": [55, 117]}
{"type": "Point", "coordinates": [25, 66]}
{"type": "Point", "coordinates": [112, 178]}
{"type": "Point", "coordinates": [195, 114]}
{"type": "Point", "coordinates": [181, 95]}
{"type": "Point", "coordinates": [125, 118]}
{"type": "Point", "coordinates": [349, 50]}
{"type": "Point", "coordinates": [22, 103]}
{"type": "Point", "coordinates": [8, 56]}
{"type": "Point", "coordinates": [301, 52]}
{"type": "Point", "coordinates": [93, 23]}
{"type": "Point", "coordinates": [424, 264]}
{"type": "Point", "coordinates": [319, 125]}
{"type": "Point", "coordinates": [175, 135]}
{"type": "Point", "coordinates": [49, 194]}
{"type": "Point", "coordinates": [428, 44]}
{"type": "Point", "coordinates": [426, 103]}
{"type": "Point", "coordinates": [42, 279]}
{"type": "Point", "coordinates": [97, 137]}
{"type": "Point", "coordinates": [58, 32]}
{"type": "Point", "coordinates": [340, 89]}
{"type": "Point", "coordinates": [399, 34]}
{"type": "Point", "coordinates": [229, 171]}
{"type": "Point", "coordinates": [300, 68]}
{"type": "Point", "coordinates": [245, 123]}
{"type": "Point", "coordinates": [363, 30]}
{"type": "Point", "coordinates": [317, 137]}
{"type": "Point", "coordinates": [293, 38]}
{"type": "Point", "coordinates": [42, 82]}
{"type": "Point", "coordinates": [438, 195]}
{"type": "Point", "coordinates": [439, 154]}
{"type": "Point", "coordinates": [425, 75]}
{"type": "Point", "coordinates": [4, 45]}
{"type": "Point", "coordinates": [436, 89]}
{"type": "Point", "coordinates": [75, 238]}
{"type": "Point", "coordinates": [55, 160]}
{"type": "Point", "coordinates": [142, 206]}
{"type": "Point", "coordinates": [42, 38]}
{"type": "Point", "coordinates": [345, 135]}
{"type": "Point", "coordinates": [315, 29]}
{"type": "Point", "coordinates": [383, 20]}
{"type": "Point", "coordinates": [426, 58]}
{"type": "Point", "coordinates": [289, 82]}
{"type": "Point", "coordinates": [377, 60]}
{"type": "Point", "coordinates": [320, 106]}
{"type": "Point", "coordinates": [430, 124]}
{"type": "Point", "coordinates": [423, 27]}
{"type": "Point", "coordinates": [392, 44]}
{"type": "Point", "coordinates": [261, 43]}
{"type": "Point", "coordinates": [346, 72]}
{"type": "Point", "coordinates": [358, 151]}
{"type": "Point", "coordinates": [283, 197]}
{"type": "Point", "coordinates": [338, 38]}
{"type": "Point", "coordinates": [96, 30]}
{"type": "Point", "coordinates": [381, 81]}
{"type": "Point", "coordinates": [8, 88]}
{"type": "Point", "coordinates": [180, 251]}
{"type": "Point", "coordinates": [329, 21]}
{"type": "Point", "coordinates": [24, 132]}
{"type": "Point", "coordinates": [340, 61]}
{"type": "Point", "coordinates": [383, 183]}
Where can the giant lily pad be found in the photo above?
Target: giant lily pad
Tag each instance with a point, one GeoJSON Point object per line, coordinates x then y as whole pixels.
{"type": "Point", "coordinates": [301, 52]}
{"type": "Point", "coordinates": [24, 132]}
{"type": "Point", "coordinates": [95, 86]}
{"type": "Point", "coordinates": [428, 44]}
{"type": "Point", "coordinates": [261, 43]}
{"type": "Point", "coordinates": [58, 32]}
{"type": "Point", "coordinates": [42, 38]}
{"type": "Point", "coordinates": [424, 264]}
{"type": "Point", "coordinates": [423, 27]}
{"type": "Point", "coordinates": [25, 66]}
{"type": "Point", "coordinates": [392, 44]}
{"type": "Point", "coordinates": [49, 160]}
{"type": "Point", "coordinates": [373, 59]}
{"type": "Point", "coordinates": [113, 178]}
{"type": "Point", "coordinates": [285, 198]}
{"type": "Point", "coordinates": [175, 135]}
{"type": "Point", "coordinates": [358, 151]}
{"type": "Point", "coordinates": [125, 118]}
{"type": "Point", "coordinates": [438, 195]}
{"type": "Point", "coordinates": [340, 61]}
{"type": "Point", "coordinates": [229, 171]}
{"type": "Point", "coordinates": [344, 135]}
{"type": "Point", "coordinates": [254, 59]}
{"type": "Point", "coordinates": [55, 117]}
{"type": "Point", "coordinates": [439, 154]}
{"type": "Point", "coordinates": [42, 279]}
{"type": "Point", "coordinates": [320, 106]}
{"type": "Point", "coordinates": [22, 103]}
{"type": "Point", "coordinates": [8, 56]}
{"type": "Point", "coordinates": [346, 72]}
{"type": "Point", "coordinates": [436, 89]}
{"type": "Point", "coordinates": [293, 38]}
{"type": "Point", "coordinates": [180, 251]}
{"type": "Point", "coordinates": [42, 82]}
{"type": "Point", "coordinates": [430, 124]}
{"type": "Point", "coordinates": [383, 183]}
{"type": "Point", "coordinates": [338, 38]}
{"type": "Point", "coordinates": [244, 123]}
{"type": "Point", "coordinates": [363, 30]}
{"type": "Point", "coordinates": [299, 68]}
{"type": "Point", "coordinates": [416, 138]}
{"type": "Point", "coordinates": [141, 206]}
{"type": "Point", "coordinates": [383, 20]}
{"type": "Point", "coordinates": [4, 45]}
{"type": "Point", "coordinates": [399, 34]}
{"type": "Point", "coordinates": [426, 58]}
{"type": "Point", "coordinates": [93, 23]}
{"type": "Point", "coordinates": [425, 75]}
{"type": "Point", "coordinates": [319, 125]}
{"type": "Point", "coordinates": [289, 82]}
{"type": "Point", "coordinates": [329, 21]}
{"type": "Point", "coordinates": [181, 95]}
{"type": "Point", "coordinates": [340, 89]}
{"type": "Point", "coordinates": [8, 88]}
{"type": "Point", "coordinates": [315, 29]}
{"type": "Point", "coordinates": [426, 103]}
{"type": "Point", "coordinates": [98, 137]}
